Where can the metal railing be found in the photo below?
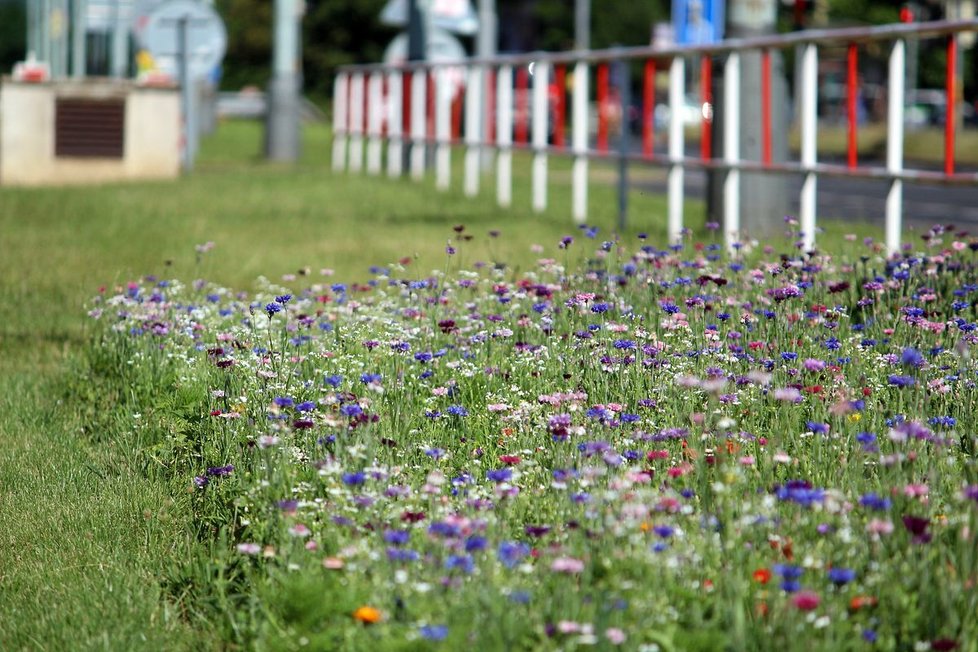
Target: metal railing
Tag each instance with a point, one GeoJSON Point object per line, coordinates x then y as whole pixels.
{"type": "Point", "coordinates": [416, 105]}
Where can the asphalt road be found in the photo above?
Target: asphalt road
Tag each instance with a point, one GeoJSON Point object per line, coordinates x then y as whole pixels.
{"type": "Point", "coordinates": [864, 199]}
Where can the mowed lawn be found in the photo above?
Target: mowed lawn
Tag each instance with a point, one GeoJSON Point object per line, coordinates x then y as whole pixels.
{"type": "Point", "coordinates": [85, 535]}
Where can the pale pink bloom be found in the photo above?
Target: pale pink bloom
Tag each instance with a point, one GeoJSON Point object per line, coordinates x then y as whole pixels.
{"type": "Point", "coordinates": [615, 636]}
{"type": "Point", "coordinates": [879, 527]}
{"type": "Point", "coordinates": [249, 548]}
{"type": "Point", "coordinates": [567, 565]}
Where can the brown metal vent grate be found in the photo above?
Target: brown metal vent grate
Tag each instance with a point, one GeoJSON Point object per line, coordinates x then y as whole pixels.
{"type": "Point", "coordinates": [89, 128]}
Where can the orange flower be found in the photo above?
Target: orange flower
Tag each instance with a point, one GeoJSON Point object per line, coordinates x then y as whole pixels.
{"type": "Point", "coordinates": [367, 615]}
{"type": "Point", "coordinates": [762, 576]}
{"type": "Point", "coordinates": [862, 602]}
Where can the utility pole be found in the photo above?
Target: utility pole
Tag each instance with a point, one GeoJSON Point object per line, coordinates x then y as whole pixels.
{"type": "Point", "coordinates": [79, 29]}
{"type": "Point", "coordinates": [763, 196]}
{"type": "Point", "coordinates": [582, 24]}
{"type": "Point", "coordinates": [485, 45]}
{"type": "Point", "coordinates": [282, 119]}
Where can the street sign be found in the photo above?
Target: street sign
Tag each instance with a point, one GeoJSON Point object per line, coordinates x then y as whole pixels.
{"type": "Point", "coordinates": [696, 22]}
{"type": "Point", "coordinates": [452, 15]}
{"type": "Point", "coordinates": [206, 37]}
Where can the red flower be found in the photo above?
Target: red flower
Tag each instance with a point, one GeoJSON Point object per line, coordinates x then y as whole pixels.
{"type": "Point", "coordinates": [805, 600]}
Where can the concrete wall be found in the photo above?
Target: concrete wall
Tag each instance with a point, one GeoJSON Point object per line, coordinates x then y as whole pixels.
{"type": "Point", "coordinates": [27, 115]}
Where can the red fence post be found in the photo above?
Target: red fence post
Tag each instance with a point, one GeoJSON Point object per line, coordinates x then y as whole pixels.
{"type": "Point", "coordinates": [602, 107]}
{"type": "Point", "coordinates": [852, 90]}
{"type": "Point", "coordinates": [648, 110]}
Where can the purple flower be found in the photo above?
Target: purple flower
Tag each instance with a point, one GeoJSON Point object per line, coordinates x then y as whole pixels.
{"type": "Point", "coordinates": [433, 632]}
{"type": "Point", "coordinates": [841, 576]}
{"type": "Point", "coordinates": [900, 381]}
{"type": "Point", "coordinates": [511, 553]}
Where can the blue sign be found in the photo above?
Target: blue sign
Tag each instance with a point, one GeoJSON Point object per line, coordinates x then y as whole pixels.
{"type": "Point", "coordinates": [697, 22]}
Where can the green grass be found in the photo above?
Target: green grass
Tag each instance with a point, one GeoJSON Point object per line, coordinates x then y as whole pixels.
{"type": "Point", "coordinates": [85, 533]}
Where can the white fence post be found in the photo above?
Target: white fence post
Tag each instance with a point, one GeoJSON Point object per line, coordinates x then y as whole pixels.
{"type": "Point", "coordinates": [395, 144]}
{"type": "Point", "coordinates": [356, 122]}
{"type": "Point", "coordinates": [473, 129]}
{"type": "Point", "coordinates": [894, 145]}
{"type": "Point", "coordinates": [419, 119]}
{"type": "Point", "coordinates": [340, 102]}
{"type": "Point", "coordinates": [731, 150]}
{"type": "Point", "coordinates": [809, 143]}
{"type": "Point", "coordinates": [579, 135]}
{"type": "Point", "coordinates": [541, 132]}
{"type": "Point", "coordinates": [443, 127]}
{"type": "Point", "coordinates": [375, 108]}
{"type": "Point", "coordinates": [504, 134]}
{"type": "Point", "coordinates": [677, 92]}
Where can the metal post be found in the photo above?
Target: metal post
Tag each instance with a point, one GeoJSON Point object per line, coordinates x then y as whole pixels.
{"type": "Point", "coordinates": [79, 16]}
{"type": "Point", "coordinates": [731, 150]}
{"type": "Point", "coordinates": [485, 47]}
{"type": "Point", "coordinates": [395, 142]}
{"type": "Point", "coordinates": [579, 141]}
{"type": "Point", "coordinates": [120, 43]}
{"type": "Point", "coordinates": [282, 121]}
{"type": "Point", "coordinates": [623, 75]}
{"type": "Point", "coordinates": [340, 109]}
{"type": "Point", "coordinates": [475, 131]}
{"type": "Point", "coordinates": [186, 95]}
{"type": "Point", "coordinates": [504, 131]}
{"type": "Point", "coordinates": [809, 143]}
{"type": "Point", "coordinates": [894, 145]}
{"type": "Point", "coordinates": [541, 74]}
{"type": "Point", "coordinates": [582, 24]}
{"type": "Point", "coordinates": [44, 33]}
{"type": "Point", "coordinates": [677, 91]}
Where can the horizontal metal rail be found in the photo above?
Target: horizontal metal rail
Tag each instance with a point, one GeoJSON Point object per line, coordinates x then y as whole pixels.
{"type": "Point", "coordinates": [509, 105]}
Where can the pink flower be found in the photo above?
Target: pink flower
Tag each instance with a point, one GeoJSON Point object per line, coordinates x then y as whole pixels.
{"type": "Point", "coordinates": [615, 636]}
{"type": "Point", "coordinates": [567, 565]}
{"type": "Point", "coordinates": [805, 600]}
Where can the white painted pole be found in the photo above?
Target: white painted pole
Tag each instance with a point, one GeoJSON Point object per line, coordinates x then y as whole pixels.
{"type": "Point", "coordinates": [731, 150]}
{"type": "Point", "coordinates": [356, 122]}
{"type": "Point", "coordinates": [809, 143]}
{"type": "Point", "coordinates": [340, 109]}
{"type": "Point", "coordinates": [579, 135]}
{"type": "Point", "coordinates": [677, 91]}
{"type": "Point", "coordinates": [541, 75]}
{"type": "Point", "coordinates": [504, 134]}
{"type": "Point", "coordinates": [473, 129]}
{"type": "Point", "coordinates": [443, 128]}
{"type": "Point", "coordinates": [395, 144]}
{"type": "Point", "coordinates": [419, 88]}
{"type": "Point", "coordinates": [894, 145]}
{"type": "Point", "coordinates": [375, 116]}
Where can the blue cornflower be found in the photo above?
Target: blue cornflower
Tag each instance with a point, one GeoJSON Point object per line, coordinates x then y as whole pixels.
{"type": "Point", "coordinates": [433, 632]}
{"type": "Point", "coordinates": [624, 344]}
{"type": "Point", "coordinates": [305, 406]}
{"type": "Point", "coordinates": [911, 357]}
{"type": "Point", "coordinates": [664, 531]}
{"type": "Point", "coordinates": [788, 356]}
{"type": "Point", "coordinates": [499, 475]}
{"type": "Point", "coordinates": [283, 401]}
{"type": "Point", "coordinates": [510, 553]}
{"type": "Point", "coordinates": [788, 571]}
{"type": "Point", "coordinates": [272, 308]}
{"type": "Point", "coordinates": [457, 410]}
{"type": "Point", "coordinates": [397, 537]}
{"type": "Point", "coordinates": [354, 479]}
{"type": "Point", "coordinates": [464, 563]}
{"type": "Point", "coordinates": [875, 502]}
{"type": "Point", "coordinates": [283, 299]}
{"type": "Point", "coordinates": [220, 471]}
{"type": "Point", "coordinates": [947, 422]}
{"type": "Point", "coordinates": [599, 308]}
{"type": "Point", "coordinates": [402, 554]}
{"type": "Point", "coordinates": [475, 543]}
{"type": "Point", "coordinates": [366, 379]}
{"type": "Point", "coordinates": [333, 381]}
{"type": "Point", "coordinates": [841, 576]}
{"type": "Point", "coordinates": [435, 453]}
{"type": "Point", "coordinates": [900, 381]}
{"type": "Point", "coordinates": [351, 410]}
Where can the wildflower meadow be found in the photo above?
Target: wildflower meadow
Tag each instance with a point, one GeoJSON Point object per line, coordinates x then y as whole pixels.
{"type": "Point", "coordinates": [628, 446]}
